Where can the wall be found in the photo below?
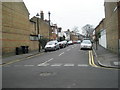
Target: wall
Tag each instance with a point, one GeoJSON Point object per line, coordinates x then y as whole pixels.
{"type": "Point", "coordinates": [16, 27]}
{"type": "Point", "coordinates": [111, 16]}
{"type": "Point", "coordinates": [102, 39]}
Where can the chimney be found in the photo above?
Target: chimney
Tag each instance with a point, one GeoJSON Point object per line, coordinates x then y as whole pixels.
{"type": "Point", "coordinates": [42, 15]}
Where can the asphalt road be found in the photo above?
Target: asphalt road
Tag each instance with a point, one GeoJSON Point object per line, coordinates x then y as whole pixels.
{"type": "Point", "coordinates": [64, 68]}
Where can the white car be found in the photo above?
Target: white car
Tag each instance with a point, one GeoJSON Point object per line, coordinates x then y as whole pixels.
{"type": "Point", "coordinates": [70, 42]}
{"type": "Point", "coordinates": [52, 45]}
{"type": "Point", "coordinates": [86, 44]}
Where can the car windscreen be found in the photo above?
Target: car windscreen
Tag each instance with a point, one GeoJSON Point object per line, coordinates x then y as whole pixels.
{"type": "Point", "coordinates": [86, 42]}
{"type": "Point", "coordinates": [51, 43]}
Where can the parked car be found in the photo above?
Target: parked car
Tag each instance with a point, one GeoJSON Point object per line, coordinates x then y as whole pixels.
{"type": "Point", "coordinates": [70, 42]}
{"type": "Point", "coordinates": [52, 45]}
{"type": "Point", "coordinates": [74, 42]}
{"type": "Point", "coordinates": [63, 44]}
{"type": "Point", "coordinates": [86, 44]}
{"type": "Point", "coordinates": [79, 41]}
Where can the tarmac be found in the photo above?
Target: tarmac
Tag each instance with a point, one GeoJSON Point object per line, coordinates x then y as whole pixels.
{"type": "Point", "coordinates": [102, 56]}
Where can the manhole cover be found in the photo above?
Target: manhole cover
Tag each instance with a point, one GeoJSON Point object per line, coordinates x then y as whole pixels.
{"type": "Point", "coordinates": [44, 74]}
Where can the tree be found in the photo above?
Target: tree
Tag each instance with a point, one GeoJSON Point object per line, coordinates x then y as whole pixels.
{"type": "Point", "coordinates": [87, 30]}
{"type": "Point", "coordinates": [75, 29]}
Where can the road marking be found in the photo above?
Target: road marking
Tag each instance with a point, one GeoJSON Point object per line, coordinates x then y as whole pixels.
{"type": "Point", "coordinates": [68, 49]}
{"type": "Point", "coordinates": [68, 65]}
{"type": "Point", "coordinates": [56, 65]}
{"type": "Point", "coordinates": [17, 65]}
{"type": "Point", "coordinates": [22, 59]}
{"type": "Point", "coordinates": [28, 65]}
{"type": "Point", "coordinates": [48, 61]}
{"type": "Point", "coordinates": [43, 64]}
{"type": "Point", "coordinates": [82, 65]}
{"type": "Point", "coordinates": [61, 54]}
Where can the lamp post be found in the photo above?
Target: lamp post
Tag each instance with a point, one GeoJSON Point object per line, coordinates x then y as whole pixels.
{"type": "Point", "coordinates": [49, 23]}
{"type": "Point", "coordinates": [38, 31]}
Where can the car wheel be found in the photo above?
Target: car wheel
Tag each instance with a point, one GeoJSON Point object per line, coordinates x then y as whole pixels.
{"type": "Point", "coordinates": [45, 50]}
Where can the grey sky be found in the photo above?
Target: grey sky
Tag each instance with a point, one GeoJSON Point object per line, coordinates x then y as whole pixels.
{"type": "Point", "coordinates": [69, 13]}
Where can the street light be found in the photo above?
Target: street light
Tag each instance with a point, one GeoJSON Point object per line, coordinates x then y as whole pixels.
{"type": "Point", "coordinates": [38, 30]}
{"type": "Point", "coordinates": [49, 23]}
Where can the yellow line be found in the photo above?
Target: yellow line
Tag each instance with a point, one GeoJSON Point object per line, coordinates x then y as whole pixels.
{"type": "Point", "coordinates": [14, 61]}
{"type": "Point", "coordinates": [92, 63]}
{"type": "Point", "coordinates": [90, 59]}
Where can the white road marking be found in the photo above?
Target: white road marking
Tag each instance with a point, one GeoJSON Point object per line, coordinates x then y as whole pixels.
{"type": "Point", "coordinates": [17, 65]}
{"type": "Point", "coordinates": [83, 65]}
{"type": "Point", "coordinates": [48, 61]}
{"type": "Point", "coordinates": [66, 65]}
{"type": "Point", "coordinates": [56, 65]}
{"type": "Point", "coordinates": [43, 64]}
{"type": "Point", "coordinates": [68, 49]}
{"type": "Point", "coordinates": [28, 65]}
{"type": "Point", "coordinates": [61, 54]}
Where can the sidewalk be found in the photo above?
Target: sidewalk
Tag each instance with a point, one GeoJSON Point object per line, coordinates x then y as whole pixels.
{"type": "Point", "coordinates": [106, 58]}
{"type": "Point", "coordinates": [21, 56]}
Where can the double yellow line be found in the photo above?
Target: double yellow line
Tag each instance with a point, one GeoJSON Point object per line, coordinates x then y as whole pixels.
{"type": "Point", "coordinates": [91, 60]}
{"type": "Point", "coordinates": [92, 63]}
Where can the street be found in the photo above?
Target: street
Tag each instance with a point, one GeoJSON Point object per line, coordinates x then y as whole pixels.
{"type": "Point", "coordinates": [65, 68]}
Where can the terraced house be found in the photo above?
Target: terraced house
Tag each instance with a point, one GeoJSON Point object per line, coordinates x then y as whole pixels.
{"type": "Point", "coordinates": [18, 30]}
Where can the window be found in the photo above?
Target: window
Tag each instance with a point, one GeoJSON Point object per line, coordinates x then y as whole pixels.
{"type": "Point", "coordinates": [33, 37]}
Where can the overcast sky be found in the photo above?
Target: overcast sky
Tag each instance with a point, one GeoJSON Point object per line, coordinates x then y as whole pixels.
{"type": "Point", "coordinates": [69, 13]}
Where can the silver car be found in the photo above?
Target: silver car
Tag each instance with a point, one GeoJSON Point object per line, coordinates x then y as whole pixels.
{"type": "Point", "coordinates": [86, 44]}
{"type": "Point", "coordinates": [52, 45]}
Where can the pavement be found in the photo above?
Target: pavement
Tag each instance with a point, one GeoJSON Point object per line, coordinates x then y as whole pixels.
{"type": "Point", "coordinates": [105, 58]}
{"type": "Point", "coordinates": [20, 56]}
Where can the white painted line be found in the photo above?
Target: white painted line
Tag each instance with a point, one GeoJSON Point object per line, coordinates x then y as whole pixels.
{"type": "Point", "coordinates": [68, 49]}
{"type": "Point", "coordinates": [45, 63]}
{"type": "Point", "coordinates": [61, 54]}
{"type": "Point", "coordinates": [66, 65]}
{"type": "Point", "coordinates": [28, 65]}
{"type": "Point", "coordinates": [42, 65]}
{"type": "Point", "coordinates": [17, 65]}
{"type": "Point", "coordinates": [56, 65]}
{"type": "Point", "coordinates": [82, 65]}
{"type": "Point", "coordinates": [48, 61]}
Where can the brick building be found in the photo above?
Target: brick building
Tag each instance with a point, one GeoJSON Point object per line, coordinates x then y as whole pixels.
{"type": "Point", "coordinates": [112, 24]}
{"type": "Point", "coordinates": [18, 30]}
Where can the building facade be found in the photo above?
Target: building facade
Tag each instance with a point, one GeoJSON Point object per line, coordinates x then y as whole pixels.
{"type": "Point", "coordinates": [112, 24]}
{"type": "Point", "coordinates": [18, 30]}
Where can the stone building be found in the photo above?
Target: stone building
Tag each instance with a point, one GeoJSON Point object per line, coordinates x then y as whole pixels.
{"type": "Point", "coordinates": [18, 30]}
{"type": "Point", "coordinates": [112, 24]}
